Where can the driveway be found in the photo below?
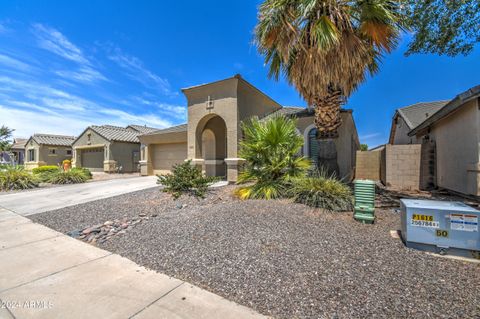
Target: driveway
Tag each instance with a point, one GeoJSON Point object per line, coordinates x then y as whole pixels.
{"type": "Point", "coordinates": [43, 200]}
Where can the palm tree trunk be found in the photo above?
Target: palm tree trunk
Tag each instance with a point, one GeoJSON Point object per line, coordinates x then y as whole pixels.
{"type": "Point", "coordinates": [327, 121]}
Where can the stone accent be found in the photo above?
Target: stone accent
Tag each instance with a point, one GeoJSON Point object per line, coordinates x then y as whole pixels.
{"type": "Point", "coordinates": [402, 163]}
{"type": "Point", "coordinates": [368, 165]}
{"type": "Point", "coordinates": [109, 166]}
{"type": "Point", "coordinates": [234, 166]}
{"type": "Point", "coordinates": [145, 167]}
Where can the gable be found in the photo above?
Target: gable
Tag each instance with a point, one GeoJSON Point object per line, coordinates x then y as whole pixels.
{"type": "Point", "coordinates": [95, 138]}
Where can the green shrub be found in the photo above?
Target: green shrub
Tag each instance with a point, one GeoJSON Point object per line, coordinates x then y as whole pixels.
{"type": "Point", "coordinates": [69, 177]}
{"type": "Point", "coordinates": [46, 169]}
{"type": "Point", "coordinates": [83, 170]}
{"type": "Point", "coordinates": [185, 179]}
{"type": "Point", "coordinates": [271, 151]}
{"type": "Point", "coordinates": [320, 190]}
{"type": "Point", "coordinates": [16, 178]}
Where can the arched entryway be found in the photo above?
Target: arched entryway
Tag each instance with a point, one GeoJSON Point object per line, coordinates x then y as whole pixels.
{"type": "Point", "coordinates": [211, 138]}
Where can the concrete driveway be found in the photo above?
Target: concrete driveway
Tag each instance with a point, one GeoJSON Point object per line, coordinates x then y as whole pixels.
{"type": "Point", "coordinates": [43, 200]}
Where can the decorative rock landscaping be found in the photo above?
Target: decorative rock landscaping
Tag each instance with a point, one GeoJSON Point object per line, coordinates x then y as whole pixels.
{"type": "Point", "coordinates": [282, 259]}
{"type": "Point", "coordinates": [103, 232]}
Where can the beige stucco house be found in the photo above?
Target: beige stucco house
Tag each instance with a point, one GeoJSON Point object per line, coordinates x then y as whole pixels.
{"type": "Point", "coordinates": [210, 138]}
{"type": "Point", "coordinates": [109, 148]}
{"type": "Point", "coordinates": [409, 117]}
{"type": "Point", "coordinates": [455, 132]}
{"type": "Point", "coordinates": [47, 149]}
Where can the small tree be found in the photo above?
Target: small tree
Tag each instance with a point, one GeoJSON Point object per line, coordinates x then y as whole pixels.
{"type": "Point", "coordinates": [271, 150]}
{"type": "Point", "coordinates": [5, 135]}
{"type": "Point", "coordinates": [185, 179]}
{"type": "Point", "coordinates": [363, 147]}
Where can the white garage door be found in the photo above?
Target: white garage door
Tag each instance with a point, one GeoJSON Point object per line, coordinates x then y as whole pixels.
{"type": "Point", "coordinates": [164, 156]}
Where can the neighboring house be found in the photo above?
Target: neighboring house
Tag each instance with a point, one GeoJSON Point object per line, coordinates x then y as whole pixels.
{"type": "Point", "coordinates": [18, 150]}
{"type": "Point", "coordinates": [16, 154]}
{"type": "Point", "coordinates": [407, 118]}
{"type": "Point", "coordinates": [47, 149]}
{"type": "Point", "coordinates": [109, 148]}
{"type": "Point", "coordinates": [455, 133]}
{"type": "Point", "coordinates": [211, 136]}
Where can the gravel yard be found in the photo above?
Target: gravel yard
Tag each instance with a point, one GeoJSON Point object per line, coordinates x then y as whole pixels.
{"type": "Point", "coordinates": [282, 259]}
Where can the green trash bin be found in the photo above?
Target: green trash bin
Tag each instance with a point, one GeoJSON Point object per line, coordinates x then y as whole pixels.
{"type": "Point", "coordinates": [364, 201]}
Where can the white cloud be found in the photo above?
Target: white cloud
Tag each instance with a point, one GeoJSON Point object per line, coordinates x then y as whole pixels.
{"type": "Point", "coordinates": [84, 74]}
{"type": "Point", "coordinates": [13, 63]}
{"type": "Point", "coordinates": [370, 136]}
{"type": "Point", "coordinates": [176, 111]}
{"type": "Point", "coordinates": [46, 109]}
{"type": "Point", "coordinates": [54, 41]}
{"type": "Point", "coordinates": [136, 70]}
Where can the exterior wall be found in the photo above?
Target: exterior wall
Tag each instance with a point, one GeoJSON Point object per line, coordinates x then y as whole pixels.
{"type": "Point", "coordinates": [347, 142]}
{"type": "Point", "coordinates": [368, 165]}
{"type": "Point", "coordinates": [403, 166]}
{"type": "Point", "coordinates": [251, 102]}
{"type": "Point", "coordinates": [43, 156]}
{"type": "Point", "coordinates": [122, 154]}
{"type": "Point", "coordinates": [400, 131]}
{"type": "Point", "coordinates": [457, 150]}
{"type": "Point", "coordinates": [224, 96]}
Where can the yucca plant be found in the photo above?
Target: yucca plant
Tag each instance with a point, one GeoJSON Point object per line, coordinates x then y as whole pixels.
{"type": "Point", "coordinates": [323, 191]}
{"type": "Point", "coordinates": [69, 177]}
{"type": "Point", "coordinates": [271, 150]}
{"type": "Point", "coordinates": [15, 178]}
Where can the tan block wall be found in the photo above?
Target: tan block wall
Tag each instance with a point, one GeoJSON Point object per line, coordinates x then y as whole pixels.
{"type": "Point", "coordinates": [403, 166]}
{"type": "Point", "coordinates": [368, 165]}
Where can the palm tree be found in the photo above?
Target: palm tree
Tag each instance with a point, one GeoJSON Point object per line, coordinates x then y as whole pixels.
{"type": "Point", "coordinates": [325, 49]}
{"type": "Point", "coordinates": [271, 149]}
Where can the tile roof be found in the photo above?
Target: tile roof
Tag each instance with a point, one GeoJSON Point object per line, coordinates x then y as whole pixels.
{"type": "Point", "coordinates": [143, 129]}
{"type": "Point", "coordinates": [116, 133]}
{"type": "Point", "coordinates": [173, 129]}
{"type": "Point", "coordinates": [51, 139]}
{"type": "Point", "coordinates": [287, 111]}
{"type": "Point", "coordinates": [451, 106]}
{"type": "Point", "coordinates": [19, 143]}
{"type": "Point", "coordinates": [415, 114]}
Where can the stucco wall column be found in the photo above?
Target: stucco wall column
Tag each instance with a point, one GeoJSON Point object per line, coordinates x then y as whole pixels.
{"type": "Point", "coordinates": [234, 166]}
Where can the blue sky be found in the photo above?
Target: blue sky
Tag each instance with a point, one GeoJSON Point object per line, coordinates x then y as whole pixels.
{"type": "Point", "coordinates": [65, 65]}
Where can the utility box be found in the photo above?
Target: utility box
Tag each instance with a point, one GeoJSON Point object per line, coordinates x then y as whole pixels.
{"type": "Point", "coordinates": [441, 227]}
{"type": "Point", "coordinates": [364, 210]}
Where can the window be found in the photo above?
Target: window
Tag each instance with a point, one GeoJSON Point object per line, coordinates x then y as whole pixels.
{"type": "Point", "coordinates": [69, 152]}
{"type": "Point", "coordinates": [52, 151]}
{"type": "Point", "coordinates": [31, 155]}
{"type": "Point", "coordinates": [313, 145]}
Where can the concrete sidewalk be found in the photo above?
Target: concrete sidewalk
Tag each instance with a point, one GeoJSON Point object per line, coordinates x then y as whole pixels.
{"type": "Point", "coordinates": [42, 200]}
{"type": "Point", "coordinates": [45, 274]}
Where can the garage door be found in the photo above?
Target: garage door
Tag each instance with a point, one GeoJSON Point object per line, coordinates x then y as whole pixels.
{"type": "Point", "coordinates": [164, 156]}
{"type": "Point", "coordinates": [93, 159]}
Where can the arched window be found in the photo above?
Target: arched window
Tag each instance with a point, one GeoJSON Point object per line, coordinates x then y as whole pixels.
{"type": "Point", "coordinates": [313, 145]}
